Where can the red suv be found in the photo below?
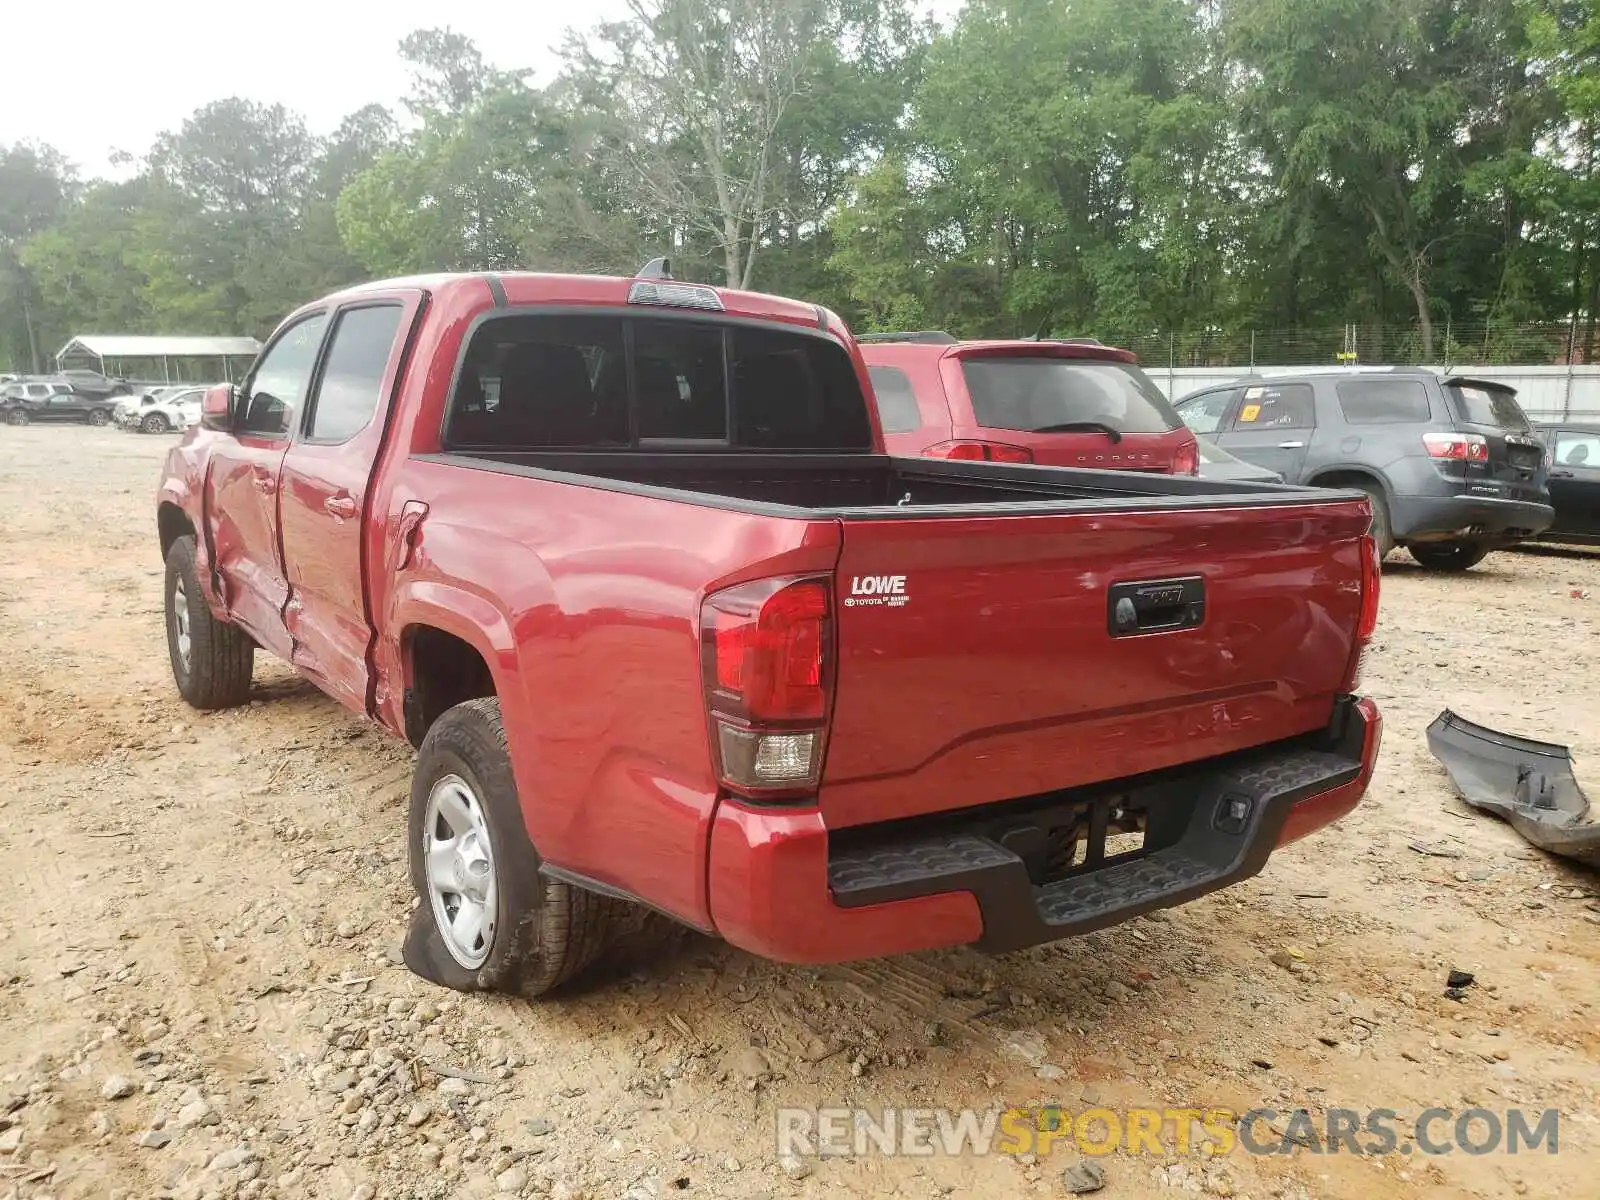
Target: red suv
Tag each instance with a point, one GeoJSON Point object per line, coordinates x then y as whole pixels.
{"type": "Point", "coordinates": [1058, 403]}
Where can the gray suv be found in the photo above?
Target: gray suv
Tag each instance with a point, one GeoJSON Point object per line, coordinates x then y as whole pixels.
{"type": "Point", "coordinates": [1453, 465]}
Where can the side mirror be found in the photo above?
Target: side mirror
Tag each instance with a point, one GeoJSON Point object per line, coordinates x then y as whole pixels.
{"type": "Point", "coordinates": [216, 408]}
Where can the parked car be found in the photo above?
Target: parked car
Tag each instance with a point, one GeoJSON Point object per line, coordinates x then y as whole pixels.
{"type": "Point", "coordinates": [163, 411]}
{"type": "Point", "coordinates": [1217, 463]}
{"type": "Point", "coordinates": [93, 383]}
{"type": "Point", "coordinates": [1452, 465]}
{"type": "Point", "coordinates": [28, 401]}
{"type": "Point", "coordinates": [1574, 474]}
{"type": "Point", "coordinates": [1060, 403]}
{"type": "Point", "coordinates": [668, 627]}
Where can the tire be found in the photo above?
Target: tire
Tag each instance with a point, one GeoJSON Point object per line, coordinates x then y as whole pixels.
{"type": "Point", "coordinates": [541, 932]}
{"type": "Point", "coordinates": [154, 423]}
{"type": "Point", "coordinates": [1450, 556]}
{"type": "Point", "coordinates": [17, 416]}
{"type": "Point", "coordinates": [98, 416]}
{"type": "Point", "coordinates": [1382, 527]}
{"type": "Point", "coordinates": [215, 671]}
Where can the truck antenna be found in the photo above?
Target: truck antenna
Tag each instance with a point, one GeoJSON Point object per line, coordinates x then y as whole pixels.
{"type": "Point", "coordinates": [656, 268]}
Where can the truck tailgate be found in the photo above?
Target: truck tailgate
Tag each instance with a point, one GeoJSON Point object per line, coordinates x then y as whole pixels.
{"type": "Point", "coordinates": [987, 658]}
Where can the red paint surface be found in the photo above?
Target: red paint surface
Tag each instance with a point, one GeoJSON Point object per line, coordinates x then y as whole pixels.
{"type": "Point", "coordinates": [769, 895]}
{"type": "Point", "coordinates": [1313, 813]}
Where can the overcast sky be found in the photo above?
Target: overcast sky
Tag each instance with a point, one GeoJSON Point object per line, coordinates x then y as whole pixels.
{"type": "Point", "coordinates": [92, 78]}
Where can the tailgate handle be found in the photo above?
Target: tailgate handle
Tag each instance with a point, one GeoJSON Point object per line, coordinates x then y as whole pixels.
{"type": "Point", "coordinates": [1155, 605]}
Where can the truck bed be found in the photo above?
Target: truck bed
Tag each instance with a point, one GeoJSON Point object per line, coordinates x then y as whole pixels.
{"type": "Point", "coordinates": [1004, 666]}
{"type": "Point", "coordinates": [860, 486]}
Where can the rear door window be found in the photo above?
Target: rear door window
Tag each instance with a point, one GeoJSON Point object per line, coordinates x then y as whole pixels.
{"type": "Point", "coordinates": [1576, 450]}
{"type": "Point", "coordinates": [1276, 406]}
{"type": "Point", "coordinates": [1384, 401]}
{"type": "Point", "coordinates": [1475, 404]}
{"type": "Point", "coordinates": [897, 403]}
{"type": "Point", "coordinates": [1063, 395]}
{"type": "Point", "coordinates": [352, 377]}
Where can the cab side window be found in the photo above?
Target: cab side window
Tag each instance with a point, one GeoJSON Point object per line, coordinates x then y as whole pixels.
{"type": "Point", "coordinates": [278, 384]}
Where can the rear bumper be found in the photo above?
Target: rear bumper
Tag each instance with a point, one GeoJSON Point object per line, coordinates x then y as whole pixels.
{"type": "Point", "coordinates": [782, 887]}
{"type": "Point", "coordinates": [1437, 518]}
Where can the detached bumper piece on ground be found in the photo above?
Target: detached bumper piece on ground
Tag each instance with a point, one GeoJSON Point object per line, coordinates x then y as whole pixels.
{"type": "Point", "coordinates": [1528, 783]}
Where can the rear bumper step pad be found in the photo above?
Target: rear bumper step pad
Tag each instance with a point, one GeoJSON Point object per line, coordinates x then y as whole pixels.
{"type": "Point", "coordinates": [1196, 842]}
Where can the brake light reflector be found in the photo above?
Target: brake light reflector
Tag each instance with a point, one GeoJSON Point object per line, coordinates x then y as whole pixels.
{"type": "Point", "coordinates": [980, 452]}
{"type": "Point", "coordinates": [1186, 459]}
{"type": "Point", "coordinates": [1463, 447]}
{"type": "Point", "coordinates": [675, 295]}
{"type": "Point", "coordinates": [767, 651]}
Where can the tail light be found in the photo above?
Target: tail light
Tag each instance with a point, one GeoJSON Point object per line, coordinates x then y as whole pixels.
{"type": "Point", "coordinates": [1367, 623]}
{"type": "Point", "coordinates": [1186, 459]}
{"type": "Point", "coordinates": [1462, 447]}
{"type": "Point", "coordinates": [980, 451]}
{"type": "Point", "coordinates": [767, 665]}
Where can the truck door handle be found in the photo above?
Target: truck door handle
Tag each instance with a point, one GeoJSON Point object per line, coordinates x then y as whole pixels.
{"type": "Point", "coordinates": [1291, 445]}
{"type": "Point", "coordinates": [340, 506]}
{"type": "Point", "coordinates": [266, 484]}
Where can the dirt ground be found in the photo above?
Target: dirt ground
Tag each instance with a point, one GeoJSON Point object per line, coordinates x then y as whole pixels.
{"type": "Point", "coordinates": [198, 992]}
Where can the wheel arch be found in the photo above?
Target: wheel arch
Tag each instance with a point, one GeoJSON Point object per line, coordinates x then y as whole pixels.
{"type": "Point", "coordinates": [172, 523]}
{"type": "Point", "coordinates": [1352, 475]}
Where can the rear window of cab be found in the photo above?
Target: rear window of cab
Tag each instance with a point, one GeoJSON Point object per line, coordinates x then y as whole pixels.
{"type": "Point", "coordinates": [539, 381]}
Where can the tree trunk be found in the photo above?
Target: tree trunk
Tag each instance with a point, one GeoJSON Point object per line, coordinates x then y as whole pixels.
{"type": "Point", "coordinates": [27, 321]}
{"type": "Point", "coordinates": [1594, 303]}
{"type": "Point", "coordinates": [730, 249]}
{"type": "Point", "coordinates": [1424, 320]}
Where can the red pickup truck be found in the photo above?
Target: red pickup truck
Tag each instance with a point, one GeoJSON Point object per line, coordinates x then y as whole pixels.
{"type": "Point", "coordinates": [625, 560]}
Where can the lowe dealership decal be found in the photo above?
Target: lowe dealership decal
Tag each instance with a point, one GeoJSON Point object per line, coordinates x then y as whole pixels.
{"type": "Point", "coordinates": [882, 591]}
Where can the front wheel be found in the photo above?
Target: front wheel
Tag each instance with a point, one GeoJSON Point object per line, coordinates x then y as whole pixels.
{"type": "Point", "coordinates": [154, 423]}
{"type": "Point", "coordinates": [1449, 556]}
{"type": "Point", "coordinates": [16, 417]}
{"type": "Point", "coordinates": [211, 660]}
{"type": "Point", "coordinates": [488, 920]}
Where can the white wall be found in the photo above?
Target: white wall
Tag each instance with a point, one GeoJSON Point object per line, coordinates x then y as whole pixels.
{"type": "Point", "coordinates": [1545, 393]}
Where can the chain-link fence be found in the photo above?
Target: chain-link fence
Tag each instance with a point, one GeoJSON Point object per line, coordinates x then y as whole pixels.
{"type": "Point", "coordinates": [1546, 344]}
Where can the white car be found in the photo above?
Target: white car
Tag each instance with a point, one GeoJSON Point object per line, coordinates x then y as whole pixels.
{"type": "Point", "coordinates": [161, 410]}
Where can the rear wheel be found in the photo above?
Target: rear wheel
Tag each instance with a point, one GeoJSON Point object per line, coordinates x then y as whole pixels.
{"type": "Point", "coordinates": [1450, 556]}
{"type": "Point", "coordinates": [211, 659]}
{"type": "Point", "coordinates": [98, 416]}
{"type": "Point", "coordinates": [154, 423]}
{"type": "Point", "coordinates": [17, 416]}
{"type": "Point", "coordinates": [488, 920]}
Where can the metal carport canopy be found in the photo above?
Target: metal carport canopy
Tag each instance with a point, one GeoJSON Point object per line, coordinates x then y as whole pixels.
{"type": "Point", "coordinates": [119, 346]}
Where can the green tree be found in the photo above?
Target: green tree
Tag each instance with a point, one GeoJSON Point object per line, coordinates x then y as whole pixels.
{"type": "Point", "coordinates": [36, 188]}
